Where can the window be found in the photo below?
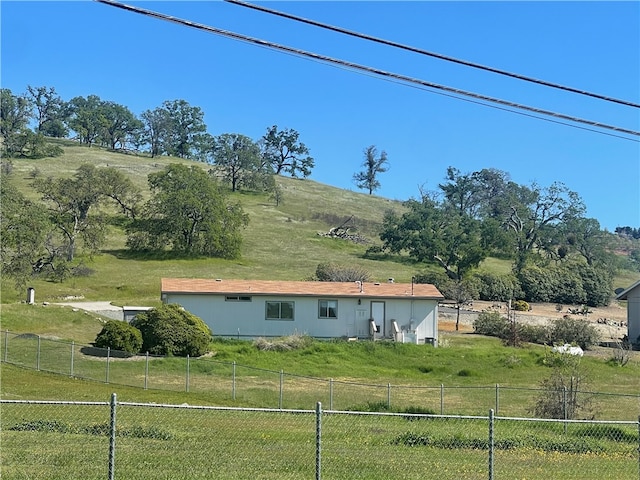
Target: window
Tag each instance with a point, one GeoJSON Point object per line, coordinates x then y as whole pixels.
{"type": "Point", "coordinates": [237, 298]}
{"type": "Point", "coordinates": [327, 308]}
{"type": "Point", "coordinates": [279, 310]}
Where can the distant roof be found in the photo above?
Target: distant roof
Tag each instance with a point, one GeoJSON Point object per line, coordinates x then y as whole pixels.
{"type": "Point", "coordinates": [623, 295]}
{"type": "Point", "coordinates": [315, 289]}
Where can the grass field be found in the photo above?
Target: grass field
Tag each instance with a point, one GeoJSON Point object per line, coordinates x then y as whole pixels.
{"type": "Point", "coordinates": [184, 442]}
{"type": "Point", "coordinates": [404, 375]}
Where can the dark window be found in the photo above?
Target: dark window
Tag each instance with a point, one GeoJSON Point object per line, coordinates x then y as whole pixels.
{"type": "Point", "coordinates": [327, 308]}
{"type": "Point", "coordinates": [279, 310]}
{"type": "Point", "coordinates": [237, 298]}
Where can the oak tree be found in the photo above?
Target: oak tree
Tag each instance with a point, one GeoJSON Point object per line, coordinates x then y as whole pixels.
{"type": "Point", "coordinates": [189, 214]}
{"type": "Point", "coordinates": [239, 158]}
{"type": "Point", "coordinates": [285, 153]}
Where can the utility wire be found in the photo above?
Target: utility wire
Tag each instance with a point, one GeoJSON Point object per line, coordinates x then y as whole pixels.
{"type": "Point", "coordinates": [515, 112]}
{"type": "Point", "coordinates": [430, 54]}
{"type": "Point", "coordinates": [363, 68]}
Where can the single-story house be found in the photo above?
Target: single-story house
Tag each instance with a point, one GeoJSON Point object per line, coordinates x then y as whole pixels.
{"type": "Point", "coordinates": [257, 308]}
{"type": "Point", "coordinates": [632, 296]}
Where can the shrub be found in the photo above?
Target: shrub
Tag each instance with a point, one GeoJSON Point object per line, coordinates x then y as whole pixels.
{"type": "Point", "coordinates": [439, 279]}
{"type": "Point", "coordinates": [575, 331]}
{"type": "Point", "coordinates": [283, 344]}
{"type": "Point", "coordinates": [378, 406]}
{"type": "Point", "coordinates": [6, 166]}
{"type": "Point", "coordinates": [597, 284]}
{"type": "Point", "coordinates": [494, 287]}
{"type": "Point", "coordinates": [419, 410]}
{"type": "Point", "coordinates": [491, 323]}
{"type": "Point", "coordinates": [533, 333]}
{"type": "Point", "coordinates": [570, 283]}
{"type": "Point", "coordinates": [171, 330]}
{"type": "Point", "coordinates": [330, 272]}
{"type": "Point", "coordinates": [521, 306]}
{"type": "Point", "coordinates": [569, 288]}
{"type": "Point", "coordinates": [563, 392]}
{"type": "Point", "coordinates": [538, 285]}
{"type": "Point", "coordinates": [119, 335]}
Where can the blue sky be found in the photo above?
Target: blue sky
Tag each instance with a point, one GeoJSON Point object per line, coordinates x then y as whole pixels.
{"type": "Point", "coordinates": [85, 47]}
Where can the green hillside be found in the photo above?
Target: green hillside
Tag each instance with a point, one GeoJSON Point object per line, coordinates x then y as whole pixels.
{"type": "Point", "coordinates": [280, 242]}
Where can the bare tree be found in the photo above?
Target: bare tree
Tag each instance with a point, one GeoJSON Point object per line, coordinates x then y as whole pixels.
{"type": "Point", "coordinates": [373, 164]}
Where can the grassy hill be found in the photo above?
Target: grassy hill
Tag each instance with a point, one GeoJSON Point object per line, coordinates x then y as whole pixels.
{"type": "Point", "coordinates": [281, 242]}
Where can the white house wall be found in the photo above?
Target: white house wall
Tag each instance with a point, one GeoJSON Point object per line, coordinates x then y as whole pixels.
{"type": "Point", "coordinates": [247, 318]}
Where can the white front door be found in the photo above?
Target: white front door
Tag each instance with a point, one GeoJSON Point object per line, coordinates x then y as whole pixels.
{"type": "Point", "coordinates": [377, 314]}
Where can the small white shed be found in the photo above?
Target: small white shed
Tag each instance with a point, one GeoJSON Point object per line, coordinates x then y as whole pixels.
{"type": "Point", "coordinates": [258, 308]}
{"type": "Point", "coordinates": [632, 296]}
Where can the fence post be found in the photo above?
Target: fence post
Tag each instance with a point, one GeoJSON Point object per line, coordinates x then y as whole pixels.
{"type": "Point", "coordinates": [38, 355]}
{"type": "Point", "coordinates": [233, 381]}
{"type": "Point", "coordinates": [442, 399]}
{"type": "Point", "coordinates": [491, 443]}
{"type": "Point", "coordinates": [6, 344]}
{"type": "Point", "coordinates": [331, 394]}
{"type": "Point", "coordinates": [318, 441]}
{"type": "Point", "coordinates": [187, 384]}
{"type": "Point", "coordinates": [107, 368]}
{"type": "Point", "coordinates": [497, 397]}
{"type": "Point", "coordinates": [564, 407]}
{"type": "Point", "coordinates": [73, 347]}
{"type": "Point", "coordinates": [146, 370]}
{"type": "Point", "coordinates": [112, 438]}
{"type": "Point", "coordinates": [388, 396]}
{"type": "Point", "coordinates": [281, 384]}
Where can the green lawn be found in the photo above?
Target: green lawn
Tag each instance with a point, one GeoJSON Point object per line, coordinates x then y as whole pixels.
{"type": "Point", "coordinates": [184, 442]}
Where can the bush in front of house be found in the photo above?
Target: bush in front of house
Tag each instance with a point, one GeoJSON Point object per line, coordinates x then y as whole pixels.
{"type": "Point", "coordinates": [119, 335]}
{"type": "Point", "coordinates": [171, 330]}
{"type": "Point", "coordinates": [283, 344]}
{"type": "Point", "coordinates": [560, 331]}
{"type": "Point", "coordinates": [575, 331]}
{"type": "Point", "coordinates": [492, 324]}
{"type": "Point", "coordinates": [533, 333]}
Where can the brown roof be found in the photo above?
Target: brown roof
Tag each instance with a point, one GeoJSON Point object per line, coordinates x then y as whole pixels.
{"type": "Point", "coordinates": [315, 289]}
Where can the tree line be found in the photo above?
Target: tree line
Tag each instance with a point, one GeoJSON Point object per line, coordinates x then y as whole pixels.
{"type": "Point", "coordinates": [557, 254]}
{"type": "Point", "coordinates": [175, 128]}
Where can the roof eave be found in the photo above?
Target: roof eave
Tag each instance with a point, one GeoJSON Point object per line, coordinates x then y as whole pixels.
{"type": "Point", "coordinates": [623, 295]}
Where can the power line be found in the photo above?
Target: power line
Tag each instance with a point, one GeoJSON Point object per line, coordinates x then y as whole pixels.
{"type": "Point", "coordinates": [363, 68]}
{"type": "Point", "coordinates": [430, 54]}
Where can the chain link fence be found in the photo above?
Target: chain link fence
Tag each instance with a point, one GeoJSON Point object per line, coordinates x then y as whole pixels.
{"type": "Point", "coordinates": [228, 381]}
{"type": "Point", "coordinates": [112, 440]}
